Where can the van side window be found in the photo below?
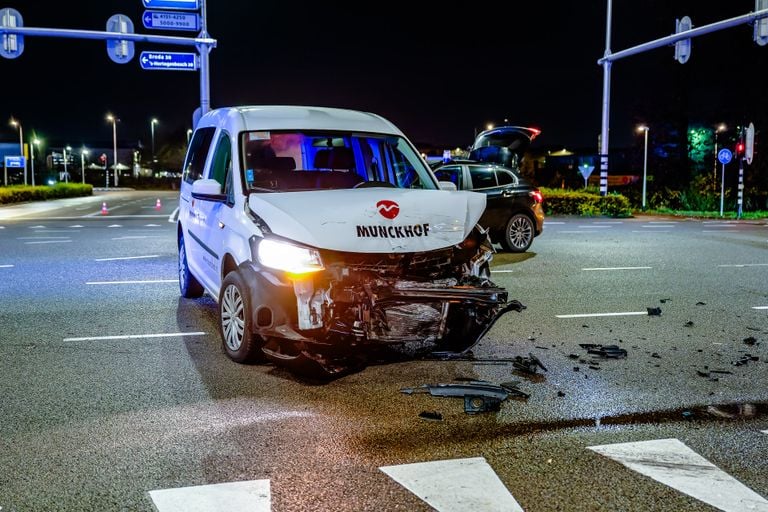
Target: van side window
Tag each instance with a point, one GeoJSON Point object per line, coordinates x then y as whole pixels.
{"type": "Point", "coordinates": [222, 159]}
{"type": "Point", "coordinates": [197, 154]}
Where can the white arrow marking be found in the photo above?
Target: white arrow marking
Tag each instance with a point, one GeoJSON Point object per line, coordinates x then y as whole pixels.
{"type": "Point", "coordinates": [672, 463]}
{"type": "Point", "coordinates": [250, 496]}
{"type": "Point", "coordinates": [455, 485]}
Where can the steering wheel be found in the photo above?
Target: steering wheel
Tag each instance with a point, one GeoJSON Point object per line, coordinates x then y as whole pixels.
{"type": "Point", "coordinates": [374, 183]}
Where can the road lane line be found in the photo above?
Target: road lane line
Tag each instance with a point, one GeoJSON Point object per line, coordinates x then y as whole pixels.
{"type": "Point", "coordinates": [49, 242]}
{"type": "Point", "coordinates": [43, 237]}
{"type": "Point", "coordinates": [608, 222]}
{"type": "Point", "coordinates": [244, 496]}
{"type": "Point", "coordinates": [654, 231]}
{"type": "Point", "coordinates": [617, 268]}
{"type": "Point", "coordinates": [128, 258]}
{"type": "Point", "coordinates": [759, 307]}
{"type": "Point", "coordinates": [501, 271]}
{"type": "Point", "coordinates": [674, 464]}
{"type": "Point", "coordinates": [174, 216]}
{"type": "Point", "coordinates": [590, 315]}
{"type": "Point", "coordinates": [662, 222]}
{"type": "Point", "coordinates": [546, 222]}
{"type": "Point", "coordinates": [136, 336]}
{"type": "Point", "coordinates": [455, 485]}
{"type": "Point", "coordinates": [656, 226]}
{"type": "Point", "coordinates": [136, 237]}
{"type": "Point", "coordinates": [6, 266]}
{"type": "Point", "coordinates": [741, 265]}
{"type": "Point", "coordinates": [592, 226]}
{"type": "Point", "coordinates": [145, 281]}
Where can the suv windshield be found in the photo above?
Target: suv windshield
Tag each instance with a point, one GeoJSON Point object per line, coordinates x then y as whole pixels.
{"type": "Point", "coordinates": [283, 160]}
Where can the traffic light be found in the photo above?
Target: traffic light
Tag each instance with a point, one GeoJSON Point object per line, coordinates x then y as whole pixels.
{"type": "Point", "coordinates": [739, 148]}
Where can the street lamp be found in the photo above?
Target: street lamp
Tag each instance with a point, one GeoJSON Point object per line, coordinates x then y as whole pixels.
{"type": "Point", "coordinates": [152, 127]}
{"type": "Point", "coordinates": [720, 128]}
{"type": "Point", "coordinates": [35, 142]}
{"type": "Point", "coordinates": [16, 124]}
{"type": "Point", "coordinates": [645, 129]}
{"type": "Point", "coordinates": [83, 152]}
{"type": "Point", "coordinates": [66, 174]}
{"type": "Point", "coordinates": [113, 120]}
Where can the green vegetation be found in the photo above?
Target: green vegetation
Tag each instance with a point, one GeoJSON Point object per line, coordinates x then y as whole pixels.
{"type": "Point", "coordinates": [21, 193]}
{"type": "Point", "coordinates": [579, 202]}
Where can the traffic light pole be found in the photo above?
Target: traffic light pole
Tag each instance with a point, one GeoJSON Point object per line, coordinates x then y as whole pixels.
{"type": "Point", "coordinates": [741, 187]}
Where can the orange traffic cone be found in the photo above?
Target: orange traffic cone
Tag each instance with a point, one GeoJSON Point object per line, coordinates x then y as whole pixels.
{"type": "Point", "coordinates": [104, 210]}
{"type": "Point", "coordinates": [158, 206]}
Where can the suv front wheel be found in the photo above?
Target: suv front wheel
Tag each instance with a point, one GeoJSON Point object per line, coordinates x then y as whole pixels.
{"type": "Point", "coordinates": [518, 234]}
{"type": "Point", "coordinates": [240, 343]}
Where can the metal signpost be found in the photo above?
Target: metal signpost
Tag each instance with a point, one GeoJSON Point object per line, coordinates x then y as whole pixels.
{"type": "Point", "coordinates": [724, 156]}
{"type": "Point", "coordinates": [586, 171]}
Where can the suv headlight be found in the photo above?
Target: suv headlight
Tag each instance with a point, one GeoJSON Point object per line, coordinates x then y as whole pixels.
{"type": "Point", "coordinates": [290, 258]}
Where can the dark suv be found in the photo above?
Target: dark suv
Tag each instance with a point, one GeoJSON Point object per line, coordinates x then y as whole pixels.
{"type": "Point", "coordinates": [513, 211]}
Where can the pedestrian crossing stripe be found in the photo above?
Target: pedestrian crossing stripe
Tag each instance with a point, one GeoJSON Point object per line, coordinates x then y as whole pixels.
{"type": "Point", "coordinates": [672, 463]}
{"type": "Point", "coordinates": [245, 496]}
{"type": "Point", "coordinates": [455, 485]}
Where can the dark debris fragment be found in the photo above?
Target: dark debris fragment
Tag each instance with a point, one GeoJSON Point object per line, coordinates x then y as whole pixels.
{"type": "Point", "coordinates": [751, 340]}
{"type": "Point", "coordinates": [606, 351]}
{"type": "Point", "coordinates": [654, 311]}
{"type": "Point", "coordinates": [530, 364]}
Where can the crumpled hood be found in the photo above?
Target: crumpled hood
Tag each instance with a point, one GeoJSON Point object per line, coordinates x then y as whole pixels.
{"type": "Point", "coordinates": [371, 220]}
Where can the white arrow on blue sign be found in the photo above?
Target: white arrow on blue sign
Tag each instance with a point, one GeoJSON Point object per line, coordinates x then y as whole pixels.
{"type": "Point", "coordinates": [164, 20]}
{"type": "Point", "coordinates": [724, 156]}
{"type": "Point", "coordinates": [182, 5]}
{"type": "Point", "coordinates": [168, 61]}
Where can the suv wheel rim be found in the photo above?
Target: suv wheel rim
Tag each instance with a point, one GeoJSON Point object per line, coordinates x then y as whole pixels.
{"type": "Point", "coordinates": [232, 317]}
{"type": "Point", "coordinates": [182, 266]}
{"type": "Point", "coordinates": [520, 232]}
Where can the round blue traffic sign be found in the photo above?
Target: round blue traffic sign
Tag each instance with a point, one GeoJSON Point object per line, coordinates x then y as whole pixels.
{"type": "Point", "coordinates": [724, 156]}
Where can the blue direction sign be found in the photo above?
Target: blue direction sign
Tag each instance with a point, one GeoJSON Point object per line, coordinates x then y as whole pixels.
{"type": "Point", "coordinates": [164, 20]}
{"type": "Point", "coordinates": [724, 156]}
{"type": "Point", "coordinates": [14, 162]}
{"type": "Point", "coordinates": [179, 5]}
{"type": "Point", "coordinates": [168, 61]}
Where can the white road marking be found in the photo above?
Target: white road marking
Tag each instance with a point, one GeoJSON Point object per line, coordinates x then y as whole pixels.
{"type": "Point", "coordinates": [43, 237]}
{"type": "Point", "coordinates": [152, 225]}
{"type": "Point", "coordinates": [455, 485]}
{"type": "Point", "coordinates": [115, 226]}
{"type": "Point", "coordinates": [672, 463]}
{"type": "Point", "coordinates": [2, 227]}
{"type": "Point", "coordinates": [662, 222]}
{"type": "Point", "coordinates": [740, 265]}
{"type": "Point", "coordinates": [128, 258]}
{"type": "Point", "coordinates": [146, 281]}
{"type": "Point", "coordinates": [49, 242]}
{"type": "Point", "coordinates": [617, 268]}
{"type": "Point", "coordinates": [546, 222]}
{"type": "Point", "coordinates": [713, 231]}
{"type": "Point", "coordinates": [245, 496]}
{"type": "Point", "coordinates": [173, 217]}
{"type": "Point", "coordinates": [76, 226]}
{"type": "Point", "coordinates": [592, 226]}
{"type": "Point", "coordinates": [501, 271]}
{"type": "Point", "coordinates": [136, 336]}
{"type": "Point", "coordinates": [37, 227]}
{"type": "Point", "coordinates": [135, 237]}
{"type": "Point", "coordinates": [572, 232]}
{"type": "Point", "coordinates": [6, 266]}
{"type": "Point", "coordinates": [759, 307]}
{"type": "Point", "coordinates": [654, 231]}
{"type": "Point", "coordinates": [662, 226]}
{"type": "Point", "coordinates": [764, 431]}
{"type": "Point", "coordinates": [590, 315]}
{"type": "Point", "coordinates": [723, 222]}
{"type": "Point", "coordinates": [608, 222]}
{"type": "Point", "coordinates": [53, 231]}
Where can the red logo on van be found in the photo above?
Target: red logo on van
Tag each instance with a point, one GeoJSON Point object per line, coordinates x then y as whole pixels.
{"type": "Point", "coordinates": [388, 209]}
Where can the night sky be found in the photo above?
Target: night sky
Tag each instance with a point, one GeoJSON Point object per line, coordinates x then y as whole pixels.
{"type": "Point", "coordinates": [439, 76]}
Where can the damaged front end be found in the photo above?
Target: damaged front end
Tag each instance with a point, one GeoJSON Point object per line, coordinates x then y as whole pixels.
{"type": "Point", "coordinates": [417, 302]}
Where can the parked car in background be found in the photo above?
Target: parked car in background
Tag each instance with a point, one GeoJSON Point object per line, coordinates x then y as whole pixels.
{"type": "Point", "coordinates": [513, 213]}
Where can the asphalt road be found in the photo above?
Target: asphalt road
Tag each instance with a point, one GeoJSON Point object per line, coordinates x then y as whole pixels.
{"type": "Point", "coordinates": [117, 395]}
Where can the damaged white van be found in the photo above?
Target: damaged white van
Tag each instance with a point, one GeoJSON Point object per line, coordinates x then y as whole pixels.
{"type": "Point", "coordinates": [323, 235]}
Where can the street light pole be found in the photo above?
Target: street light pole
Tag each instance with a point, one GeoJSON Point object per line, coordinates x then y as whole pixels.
{"type": "Point", "coordinates": [113, 119]}
{"type": "Point", "coordinates": [83, 152]}
{"type": "Point", "coordinates": [32, 158]}
{"type": "Point", "coordinates": [152, 127]}
{"type": "Point", "coordinates": [645, 161]}
{"type": "Point", "coordinates": [17, 124]}
{"type": "Point", "coordinates": [66, 174]}
{"type": "Point", "coordinates": [720, 128]}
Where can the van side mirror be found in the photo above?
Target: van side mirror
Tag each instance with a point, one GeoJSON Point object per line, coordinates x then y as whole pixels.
{"type": "Point", "coordinates": [447, 185]}
{"type": "Point", "coordinates": [208, 190]}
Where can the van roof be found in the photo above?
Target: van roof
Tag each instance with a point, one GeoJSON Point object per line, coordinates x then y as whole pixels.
{"type": "Point", "coordinates": [292, 117]}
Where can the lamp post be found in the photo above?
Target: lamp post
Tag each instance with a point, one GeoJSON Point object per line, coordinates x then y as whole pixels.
{"type": "Point", "coordinates": [645, 129]}
{"type": "Point", "coordinates": [720, 128]}
{"type": "Point", "coordinates": [66, 174]}
{"type": "Point", "coordinates": [113, 120]}
{"type": "Point", "coordinates": [16, 124]}
{"type": "Point", "coordinates": [35, 142]}
{"type": "Point", "coordinates": [83, 152]}
{"type": "Point", "coordinates": [152, 127]}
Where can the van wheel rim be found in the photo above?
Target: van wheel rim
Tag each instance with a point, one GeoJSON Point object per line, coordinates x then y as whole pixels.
{"type": "Point", "coordinates": [182, 266]}
{"type": "Point", "coordinates": [232, 318]}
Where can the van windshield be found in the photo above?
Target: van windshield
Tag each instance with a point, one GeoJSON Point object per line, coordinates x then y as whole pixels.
{"type": "Point", "coordinates": [288, 160]}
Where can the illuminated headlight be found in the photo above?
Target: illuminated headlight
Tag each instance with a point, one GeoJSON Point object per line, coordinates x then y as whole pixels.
{"type": "Point", "coordinates": [288, 257]}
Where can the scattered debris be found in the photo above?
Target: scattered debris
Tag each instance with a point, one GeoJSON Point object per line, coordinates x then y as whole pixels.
{"type": "Point", "coordinates": [664, 301]}
{"type": "Point", "coordinates": [607, 351]}
{"type": "Point", "coordinates": [701, 303]}
{"type": "Point", "coordinates": [689, 323]}
{"type": "Point", "coordinates": [575, 368]}
{"type": "Point", "coordinates": [479, 395]}
{"type": "Point", "coordinates": [656, 355]}
{"type": "Point", "coordinates": [726, 372]}
{"type": "Point", "coordinates": [751, 341]}
{"type": "Point", "coordinates": [431, 415]}
{"type": "Point", "coordinates": [561, 393]}
{"type": "Point", "coordinates": [745, 359]}
{"type": "Point", "coordinates": [573, 356]}
{"type": "Point", "coordinates": [654, 311]}
{"type": "Point", "coordinates": [593, 367]}
{"type": "Point", "coordinates": [542, 348]}
{"type": "Point", "coordinates": [529, 364]}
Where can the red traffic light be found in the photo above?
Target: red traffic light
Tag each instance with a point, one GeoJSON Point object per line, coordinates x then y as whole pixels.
{"type": "Point", "coordinates": [739, 148]}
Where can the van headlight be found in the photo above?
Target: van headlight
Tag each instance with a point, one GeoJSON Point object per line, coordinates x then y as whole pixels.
{"type": "Point", "coordinates": [287, 257]}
